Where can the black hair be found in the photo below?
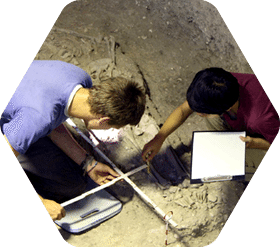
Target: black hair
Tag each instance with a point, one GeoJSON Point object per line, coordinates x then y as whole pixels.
{"type": "Point", "coordinates": [213, 91]}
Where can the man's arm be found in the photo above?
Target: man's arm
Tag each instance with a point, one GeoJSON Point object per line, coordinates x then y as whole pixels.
{"type": "Point", "coordinates": [174, 121]}
{"type": "Point", "coordinates": [65, 141]}
{"type": "Point", "coordinates": [257, 143]}
{"type": "Point", "coordinates": [62, 137]}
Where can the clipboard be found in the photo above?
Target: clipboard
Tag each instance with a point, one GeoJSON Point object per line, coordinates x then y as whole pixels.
{"type": "Point", "coordinates": [217, 156]}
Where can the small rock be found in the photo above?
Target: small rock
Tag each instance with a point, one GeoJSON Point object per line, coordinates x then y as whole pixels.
{"type": "Point", "coordinates": [212, 198]}
{"type": "Point", "coordinates": [138, 131]}
{"type": "Point", "coordinates": [185, 202]}
{"type": "Point", "coordinates": [64, 54]}
{"type": "Point", "coordinates": [186, 183]}
{"type": "Point", "coordinates": [177, 196]}
{"type": "Point", "coordinates": [204, 194]}
{"type": "Point", "coordinates": [173, 189]}
{"type": "Point", "coordinates": [75, 61]}
{"type": "Point", "coordinates": [195, 185]}
{"type": "Point", "coordinates": [175, 236]}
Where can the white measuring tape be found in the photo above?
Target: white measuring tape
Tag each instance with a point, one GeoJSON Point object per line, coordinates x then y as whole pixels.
{"type": "Point", "coordinates": [167, 218]}
{"type": "Point", "coordinates": [101, 187]}
{"type": "Point", "coordinates": [125, 177]}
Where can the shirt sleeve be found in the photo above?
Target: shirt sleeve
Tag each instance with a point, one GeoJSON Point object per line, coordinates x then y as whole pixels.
{"type": "Point", "coordinates": [25, 128]}
{"type": "Point", "coordinates": [268, 127]}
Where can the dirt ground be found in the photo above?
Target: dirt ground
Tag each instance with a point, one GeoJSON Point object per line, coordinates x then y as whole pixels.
{"type": "Point", "coordinates": [161, 44]}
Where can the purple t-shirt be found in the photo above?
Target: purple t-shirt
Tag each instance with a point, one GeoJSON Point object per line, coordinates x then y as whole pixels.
{"type": "Point", "coordinates": [37, 106]}
{"type": "Point", "coordinates": [255, 114]}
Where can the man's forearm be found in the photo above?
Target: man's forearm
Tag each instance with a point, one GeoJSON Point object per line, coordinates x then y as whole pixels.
{"type": "Point", "coordinates": [259, 143]}
{"type": "Point", "coordinates": [175, 120]}
{"type": "Point", "coordinates": [64, 140]}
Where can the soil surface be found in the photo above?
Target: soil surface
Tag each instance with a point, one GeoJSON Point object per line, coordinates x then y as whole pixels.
{"type": "Point", "coordinates": [160, 44]}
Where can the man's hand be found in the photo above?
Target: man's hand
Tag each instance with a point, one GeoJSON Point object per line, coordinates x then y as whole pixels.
{"type": "Point", "coordinates": [151, 149]}
{"type": "Point", "coordinates": [258, 143]}
{"type": "Point", "coordinates": [102, 174]}
{"type": "Point", "coordinates": [54, 209]}
{"type": "Point", "coordinates": [248, 140]}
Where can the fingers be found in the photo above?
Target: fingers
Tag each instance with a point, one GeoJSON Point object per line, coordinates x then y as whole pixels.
{"type": "Point", "coordinates": [113, 173]}
{"type": "Point", "coordinates": [61, 214]}
{"type": "Point", "coordinates": [58, 213]}
{"type": "Point", "coordinates": [247, 140]}
{"type": "Point", "coordinates": [103, 174]}
{"type": "Point", "coordinates": [242, 138]}
{"type": "Point", "coordinates": [104, 180]}
{"type": "Point", "coordinates": [110, 177]}
{"type": "Point", "coordinates": [107, 179]}
{"type": "Point", "coordinates": [105, 169]}
{"type": "Point", "coordinates": [54, 209]}
{"type": "Point", "coordinates": [147, 154]}
{"type": "Point", "coordinates": [151, 149]}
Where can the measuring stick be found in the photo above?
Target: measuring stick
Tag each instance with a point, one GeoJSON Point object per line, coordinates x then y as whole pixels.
{"type": "Point", "coordinates": [133, 185]}
{"type": "Point", "coordinates": [101, 187]}
{"type": "Point", "coordinates": [167, 220]}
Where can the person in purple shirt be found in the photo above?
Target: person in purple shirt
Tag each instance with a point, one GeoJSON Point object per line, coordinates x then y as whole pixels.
{"type": "Point", "coordinates": [32, 123]}
{"type": "Point", "coordinates": [227, 101]}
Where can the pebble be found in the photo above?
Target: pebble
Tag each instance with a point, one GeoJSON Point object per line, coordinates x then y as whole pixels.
{"type": "Point", "coordinates": [173, 189]}
{"type": "Point", "coordinates": [176, 236]}
{"type": "Point", "coordinates": [212, 198]}
{"type": "Point", "coordinates": [138, 131]}
{"type": "Point", "coordinates": [64, 54]}
{"type": "Point", "coordinates": [186, 183]}
{"type": "Point", "coordinates": [185, 202]}
{"type": "Point", "coordinates": [195, 185]}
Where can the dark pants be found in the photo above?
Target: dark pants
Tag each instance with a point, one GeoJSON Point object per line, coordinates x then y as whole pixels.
{"type": "Point", "coordinates": [52, 173]}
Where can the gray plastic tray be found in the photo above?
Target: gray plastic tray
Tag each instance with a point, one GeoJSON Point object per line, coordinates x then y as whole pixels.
{"type": "Point", "coordinates": [89, 212]}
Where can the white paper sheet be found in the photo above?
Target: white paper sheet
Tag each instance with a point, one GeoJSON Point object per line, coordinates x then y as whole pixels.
{"type": "Point", "coordinates": [218, 154]}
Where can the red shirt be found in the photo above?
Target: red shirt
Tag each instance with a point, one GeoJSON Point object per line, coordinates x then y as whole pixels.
{"type": "Point", "coordinates": [256, 115]}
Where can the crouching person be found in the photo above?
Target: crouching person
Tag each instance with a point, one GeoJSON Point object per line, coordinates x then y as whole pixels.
{"type": "Point", "coordinates": [32, 123]}
{"type": "Point", "coordinates": [227, 101]}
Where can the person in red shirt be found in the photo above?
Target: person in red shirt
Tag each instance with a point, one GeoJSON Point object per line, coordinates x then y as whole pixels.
{"type": "Point", "coordinates": [227, 101]}
{"type": "Point", "coordinates": [255, 114]}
